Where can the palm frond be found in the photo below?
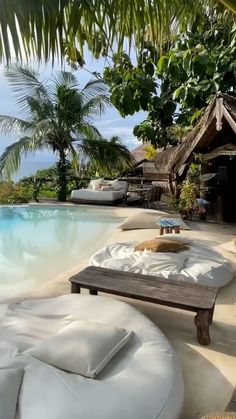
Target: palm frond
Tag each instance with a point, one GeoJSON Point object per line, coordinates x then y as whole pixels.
{"type": "Point", "coordinates": [94, 107]}
{"type": "Point", "coordinates": [230, 4]}
{"type": "Point", "coordinates": [25, 83]}
{"type": "Point", "coordinates": [95, 87]}
{"type": "Point", "coordinates": [86, 131]}
{"type": "Point", "coordinates": [11, 158]}
{"type": "Point", "coordinates": [41, 28]}
{"type": "Point", "coordinates": [108, 155]}
{"type": "Point", "coordinates": [66, 78]}
{"type": "Point", "coordinates": [9, 124]}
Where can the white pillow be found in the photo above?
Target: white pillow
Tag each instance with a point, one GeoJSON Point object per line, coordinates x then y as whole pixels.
{"type": "Point", "coordinates": [82, 347]}
{"type": "Point", "coordinates": [116, 185]}
{"type": "Point", "coordinates": [10, 381]}
{"type": "Point", "coordinates": [96, 183]}
{"type": "Point", "coordinates": [147, 220]}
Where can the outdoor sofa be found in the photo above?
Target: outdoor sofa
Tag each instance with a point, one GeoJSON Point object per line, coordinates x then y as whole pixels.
{"type": "Point", "coordinates": [100, 191]}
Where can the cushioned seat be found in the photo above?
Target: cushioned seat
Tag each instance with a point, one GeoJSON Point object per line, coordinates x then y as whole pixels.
{"type": "Point", "coordinates": [94, 195]}
{"type": "Point", "coordinates": [143, 380]}
{"type": "Point", "coordinates": [200, 264]}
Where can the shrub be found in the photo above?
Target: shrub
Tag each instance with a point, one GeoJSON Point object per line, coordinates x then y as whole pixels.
{"type": "Point", "coordinates": [14, 193]}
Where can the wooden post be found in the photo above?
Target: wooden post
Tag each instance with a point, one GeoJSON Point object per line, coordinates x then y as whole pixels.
{"type": "Point", "coordinates": [75, 289]}
{"type": "Point", "coordinates": [202, 324]}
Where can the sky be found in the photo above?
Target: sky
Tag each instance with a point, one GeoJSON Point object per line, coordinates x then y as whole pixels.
{"type": "Point", "coordinates": [111, 123]}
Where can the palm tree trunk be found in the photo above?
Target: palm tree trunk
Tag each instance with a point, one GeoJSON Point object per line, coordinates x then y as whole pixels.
{"type": "Point", "coordinates": [62, 176]}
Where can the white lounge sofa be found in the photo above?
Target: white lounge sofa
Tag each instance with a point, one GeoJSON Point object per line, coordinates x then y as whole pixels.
{"type": "Point", "coordinates": [142, 381]}
{"type": "Point", "coordinates": [93, 196]}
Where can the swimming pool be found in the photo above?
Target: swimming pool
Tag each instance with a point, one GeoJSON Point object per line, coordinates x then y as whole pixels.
{"type": "Point", "coordinates": [37, 243]}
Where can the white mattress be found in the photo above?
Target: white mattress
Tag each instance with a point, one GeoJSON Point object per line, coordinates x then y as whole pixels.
{"type": "Point", "coordinates": [143, 381]}
{"type": "Point", "coordinates": [199, 264]}
{"type": "Point", "coordinates": [93, 195]}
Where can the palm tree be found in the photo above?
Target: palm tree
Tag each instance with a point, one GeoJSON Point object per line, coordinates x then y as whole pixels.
{"type": "Point", "coordinates": [42, 28]}
{"type": "Point", "coordinates": [107, 164]}
{"type": "Point", "coordinates": [59, 119]}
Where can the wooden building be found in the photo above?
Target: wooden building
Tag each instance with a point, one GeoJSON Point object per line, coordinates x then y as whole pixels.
{"type": "Point", "coordinates": [214, 137]}
{"type": "Point", "coordinates": [143, 168]}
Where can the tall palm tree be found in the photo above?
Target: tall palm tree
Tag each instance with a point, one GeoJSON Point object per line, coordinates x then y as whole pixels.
{"type": "Point", "coordinates": [42, 28]}
{"type": "Point", "coordinates": [59, 119]}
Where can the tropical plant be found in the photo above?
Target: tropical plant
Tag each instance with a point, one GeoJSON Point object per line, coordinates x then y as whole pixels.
{"type": "Point", "coordinates": [150, 152]}
{"type": "Point", "coordinates": [188, 197]}
{"type": "Point", "coordinates": [176, 85]}
{"type": "Point", "coordinates": [107, 164]}
{"type": "Point", "coordinates": [59, 119]}
{"type": "Point", "coordinates": [15, 193]}
{"type": "Point", "coordinates": [46, 29]}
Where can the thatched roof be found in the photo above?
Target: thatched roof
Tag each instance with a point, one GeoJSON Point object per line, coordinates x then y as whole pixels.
{"type": "Point", "coordinates": [226, 148]}
{"type": "Point", "coordinates": [139, 154]}
{"type": "Point", "coordinates": [222, 109]}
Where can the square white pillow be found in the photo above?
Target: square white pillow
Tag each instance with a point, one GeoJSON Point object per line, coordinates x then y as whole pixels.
{"type": "Point", "coordinates": [10, 381]}
{"type": "Point", "coordinates": [147, 220]}
{"type": "Point", "coordinates": [82, 347]}
{"type": "Point", "coordinates": [96, 183]}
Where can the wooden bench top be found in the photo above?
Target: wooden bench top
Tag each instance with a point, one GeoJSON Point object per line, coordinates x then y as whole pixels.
{"type": "Point", "coordinates": [191, 297]}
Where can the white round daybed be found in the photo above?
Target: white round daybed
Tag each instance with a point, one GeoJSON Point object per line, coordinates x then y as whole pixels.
{"type": "Point", "coordinates": [199, 264]}
{"type": "Point", "coordinates": [143, 380]}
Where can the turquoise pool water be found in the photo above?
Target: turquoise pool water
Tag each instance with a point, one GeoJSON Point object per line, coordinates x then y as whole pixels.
{"type": "Point", "coordinates": [37, 243]}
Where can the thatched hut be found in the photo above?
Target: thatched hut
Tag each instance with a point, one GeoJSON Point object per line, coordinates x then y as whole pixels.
{"type": "Point", "coordinates": [214, 137]}
{"type": "Point", "coordinates": [143, 168]}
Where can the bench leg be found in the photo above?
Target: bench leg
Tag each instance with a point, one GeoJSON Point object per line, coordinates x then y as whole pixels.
{"type": "Point", "coordinates": [93, 292]}
{"type": "Point", "coordinates": [211, 313]}
{"type": "Point", "coordinates": [75, 288]}
{"type": "Point", "coordinates": [202, 322]}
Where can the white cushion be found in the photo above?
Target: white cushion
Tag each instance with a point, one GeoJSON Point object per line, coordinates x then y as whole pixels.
{"type": "Point", "coordinates": [10, 381]}
{"type": "Point", "coordinates": [199, 264]}
{"type": "Point", "coordinates": [96, 183]}
{"type": "Point", "coordinates": [142, 381]}
{"type": "Point", "coordinates": [116, 185]}
{"type": "Point", "coordinates": [121, 256]}
{"type": "Point", "coordinates": [91, 195]}
{"type": "Point", "coordinates": [147, 220]}
{"type": "Point", "coordinates": [82, 347]}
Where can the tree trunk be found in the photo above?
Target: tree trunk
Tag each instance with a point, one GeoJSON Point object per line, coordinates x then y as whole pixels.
{"type": "Point", "coordinates": [62, 176]}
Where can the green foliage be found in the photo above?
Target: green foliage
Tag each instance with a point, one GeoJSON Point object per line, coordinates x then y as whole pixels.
{"type": "Point", "coordinates": [200, 63]}
{"type": "Point", "coordinates": [187, 199]}
{"type": "Point", "coordinates": [176, 86]}
{"type": "Point", "coordinates": [14, 193]}
{"type": "Point", "coordinates": [43, 29]}
{"type": "Point", "coordinates": [131, 87]}
{"type": "Point", "coordinates": [44, 184]}
{"type": "Point", "coordinates": [150, 152]}
{"type": "Point", "coordinates": [48, 29]}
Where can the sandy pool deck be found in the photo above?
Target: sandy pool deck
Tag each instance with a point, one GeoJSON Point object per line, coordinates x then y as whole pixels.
{"type": "Point", "coordinates": [209, 372]}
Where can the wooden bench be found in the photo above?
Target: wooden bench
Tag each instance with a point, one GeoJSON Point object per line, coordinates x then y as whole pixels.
{"type": "Point", "coordinates": [152, 289]}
